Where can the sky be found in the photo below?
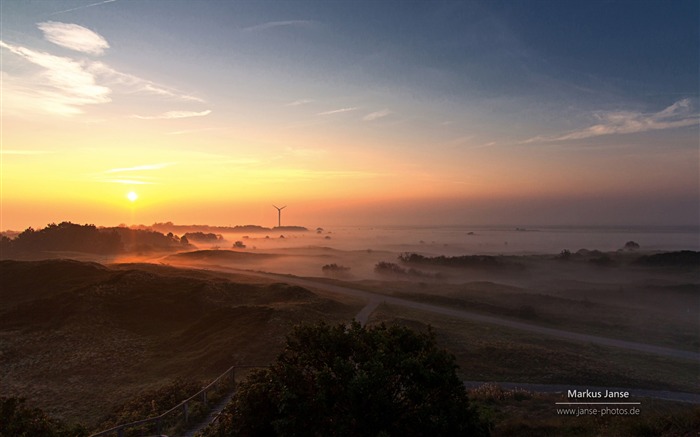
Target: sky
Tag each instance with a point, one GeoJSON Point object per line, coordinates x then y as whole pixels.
{"type": "Point", "coordinates": [350, 112]}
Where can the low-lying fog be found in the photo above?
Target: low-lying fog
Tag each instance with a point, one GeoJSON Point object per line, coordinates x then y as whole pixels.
{"type": "Point", "coordinates": [360, 249]}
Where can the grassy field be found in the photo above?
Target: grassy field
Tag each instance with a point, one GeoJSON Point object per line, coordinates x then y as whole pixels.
{"type": "Point", "coordinates": [490, 353]}
{"type": "Point", "coordinates": [80, 339]}
{"type": "Point", "coordinates": [647, 305]}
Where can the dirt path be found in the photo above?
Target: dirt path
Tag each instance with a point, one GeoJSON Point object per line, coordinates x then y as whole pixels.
{"type": "Point", "coordinates": [363, 315]}
{"type": "Point", "coordinates": [375, 299]}
{"type": "Point", "coordinates": [210, 417]}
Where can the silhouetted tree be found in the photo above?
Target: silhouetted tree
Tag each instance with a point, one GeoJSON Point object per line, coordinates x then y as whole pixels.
{"type": "Point", "coordinates": [385, 268]}
{"type": "Point", "coordinates": [68, 236]}
{"type": "Point", "coordinates": [204, 238]}
{"type": "Point", "coordinates": [353, 381]}
{"type": "Point", "coordinates": [631, 245]}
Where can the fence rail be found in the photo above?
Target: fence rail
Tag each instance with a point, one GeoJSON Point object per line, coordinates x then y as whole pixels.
{"type": "Point", "coordinates": [182, 408]}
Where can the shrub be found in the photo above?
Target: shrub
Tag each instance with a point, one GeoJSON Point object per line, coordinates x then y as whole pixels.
{"type": "Point", "coordinates": [17, 419]}
{"type": "Point", "coordinates": [334, 269]}
{"type": "Point", "coordinates": [353, 381]}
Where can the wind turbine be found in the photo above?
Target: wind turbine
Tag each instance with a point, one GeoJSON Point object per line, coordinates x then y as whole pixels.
{"type": "Point", "coordinates": [279, 215]}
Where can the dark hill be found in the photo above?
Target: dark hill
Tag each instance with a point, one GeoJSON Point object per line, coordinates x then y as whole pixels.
{"type": "Point", "coordinates": [683, 258]}
{"type": "Point", "coordinates": [30, 280]}
{"type": "Point", "coordinates": [72, 333]}
{"type": "Point", "coordinates": [219, 255]}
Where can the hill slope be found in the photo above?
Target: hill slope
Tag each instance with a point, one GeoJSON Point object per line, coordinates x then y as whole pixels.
{"type": "Point", "coordinates": [71, 332]}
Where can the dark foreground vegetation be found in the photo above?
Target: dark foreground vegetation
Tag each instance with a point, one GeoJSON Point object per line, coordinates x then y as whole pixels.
{"type": "Point", "coordinates": [80, 339]}
{"type": "Point", "coordinates": [623, 257]}
{"type": "Point", "coordinates": [17, 419]}
{"type": "Point", "coordinates": [466, 261]}
{"type": "Point", "coordinates": [353, 381]}
{"type": "Point", "coordinates": [519, 412]}
{"type": "Point", "coordinates": [683, 258]}
{"type": "Point", "coordinates": [396, 271]}
{"type": "Point", "coordinates": [72, 332]}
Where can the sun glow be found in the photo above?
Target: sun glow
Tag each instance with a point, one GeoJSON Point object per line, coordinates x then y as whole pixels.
{"type": "Point", "coordinates": [132, 196]}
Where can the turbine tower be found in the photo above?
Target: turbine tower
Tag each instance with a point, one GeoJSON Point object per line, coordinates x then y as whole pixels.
{"type": "Point", "coordinates": [279, 215]}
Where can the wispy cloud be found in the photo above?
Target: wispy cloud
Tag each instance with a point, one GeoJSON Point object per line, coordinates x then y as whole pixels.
{"type": "Point", "coordinates": [67, 84]}
{"type": "Point", "coordinates": [376, 115]}
{"type": "Point", "coordinates": [274, 24]}
{"type": "Point", "coordinates": [679, 114]}
{"type": "Point", "coordinates": [140, 168]}
{"type": "Point", "coordinates": [304, 153]}
{"type": "Point", "coordinates": [191, 131]}
{"type": "Point", "coordinates": [131, 175]}
{"type": "Point", "coordinates": [82, 7]}
{"type": "Point", "coordinates": [24, 152]}
{"type": "Point", "coordinates": [243, 161]}
{"type": "Point", "coordinates": [127, 181]}
{"type": "Point", "coordinates": [299, 102]}
{"type": "Point", "coordinates": [304, 174]}
{"type": "Point", "coordinates": [74, 37]}
{"type": "Point", "coordinates": [64, 85]}
{"type": "Point", "coordinates": [174, 115]}
{"type": "Point", "coordinates": [338, 111]}
{"type": "Point", "coordinates": [136, 84]}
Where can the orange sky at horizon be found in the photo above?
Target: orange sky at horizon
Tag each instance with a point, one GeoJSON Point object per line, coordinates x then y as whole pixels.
{"type": "Point", "coordinates": [219, 114]}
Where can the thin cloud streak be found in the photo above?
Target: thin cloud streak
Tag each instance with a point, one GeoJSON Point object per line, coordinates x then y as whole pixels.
{"type": "Point", "coordinates": [303, 174]}
{"type": "Point", "coordinates": [338, 111]}
{"type": "Point", "coordinates": [82, 7]}
{"type": "Point", "coordinates": [274, 24]}
{"type": "Point", "coordinates": [377, 115]}
{"type": "Point", "coordinates": [299, 102]}
{"type": "Point", "coordinates": [74, 37]}
{"type": "Point", "coordinates": [127, 182]}
{"type": "Point", "coordinates": [24, 152]}
{"type": "Point", "coordinates": [140, 167]}
{"type": "Point", "coordinates": [243, 161]}
{"type": "Point", "coordinates": [191, 131]}
{"type": "Point", "coordinates": [626, 122]}
{"type": "Point", "coordinates": [304, 153]}
{"type": "Point", "coordinates": [136, 84]}
{"type": "Point", "coordinates": [170, 115]}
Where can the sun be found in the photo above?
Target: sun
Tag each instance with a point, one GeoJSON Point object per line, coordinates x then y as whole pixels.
{"type": "Point", "coordinates": [132, 196]}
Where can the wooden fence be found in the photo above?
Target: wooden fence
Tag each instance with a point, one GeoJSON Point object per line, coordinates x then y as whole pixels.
{"type": "Point", "coordinates": [180, 413]}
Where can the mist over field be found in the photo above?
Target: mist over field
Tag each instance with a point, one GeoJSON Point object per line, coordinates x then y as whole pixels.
{"type": "Point", "coordinates": [214, 212]}
{"type": "Point", "coordinates": [568, 307]}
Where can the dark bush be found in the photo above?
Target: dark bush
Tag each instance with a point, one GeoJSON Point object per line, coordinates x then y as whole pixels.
{"type": "Point", "coordinates": [19, 420]}
{"type": "Point", "coordinates": [353, 381]}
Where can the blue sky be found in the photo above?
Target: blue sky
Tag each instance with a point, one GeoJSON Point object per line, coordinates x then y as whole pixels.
{"type": "Point", "coordinates": [569, 104]}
